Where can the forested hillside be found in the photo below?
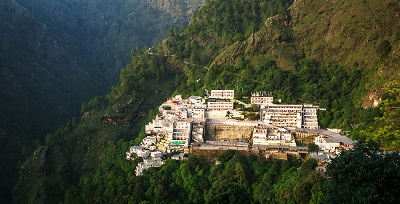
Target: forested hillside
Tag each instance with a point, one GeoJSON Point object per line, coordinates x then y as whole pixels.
{"type": "Point", "coordinates": [104, 32]}
{"type": "Point", "coordinates": [81, 145]}
{"type": "Point", "coordinates": [264, 46]}
{"type": "Point", "coordinates": [55, 55]}
{"type": "Point", "coordinates": [238, 179]}
{"type": "Point", "coordinates": [41, 84]}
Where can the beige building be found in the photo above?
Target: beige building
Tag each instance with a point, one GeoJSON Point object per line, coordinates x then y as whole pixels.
{"type": "Point", "coordinates": [295, 116]}
{"type": "Point", "coordinates": [262, 100]}
{"type": "Point", "coordinates": [260, 134]}
{"type": "Point", "coordinates": [272, 136]}
{"type": "Point", "coordinates": [222, 94]}
{"type": "Point", "coordinates": [198, 113]}
{"type": "Point", "coordinates": [220, 105]}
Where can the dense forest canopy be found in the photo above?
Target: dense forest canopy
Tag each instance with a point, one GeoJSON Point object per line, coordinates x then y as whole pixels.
{"type": "Point", "coordinates": [238, 179]}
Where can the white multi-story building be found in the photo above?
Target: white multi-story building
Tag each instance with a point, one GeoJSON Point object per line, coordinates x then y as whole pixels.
{"type": "Point", "coordinates": [282, 115]}
{"type": "Point", "coordinates": [181, 133]}
{"type": "Point", "coordinates": [138, 150]}
{"type": "Point", "coordinates": [260, 134]}
{"type": "Point", "coordinates": [271, 136]}
{"type": "Point", "coordinates": [196, 99]}
{"type": "Point", "coordinates": [310, 119]}
{"type": "Point", "coordinates": [296, 116]}
{"type": "Point", "coordinates": [157, 125]}
{"type": "Point", "coordinates": [262, 100]}
{"type": "Point", "coordinates": [220, 105]}
{"type": "Point", "coordinates": [149, 141]}
{"type": "Point", "coordinates": [222, 94]}
{"type": "Point", "coordinates": [198, 113]}
{"type": "Point", "coordinates": [156, 154]}
{"type": "Point", "coordinates": [280, 136]}
{"type": "Point", "coordinates": [146, 164]}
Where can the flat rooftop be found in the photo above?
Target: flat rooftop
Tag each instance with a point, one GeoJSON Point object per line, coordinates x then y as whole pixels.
{"type": "Point", "coordinates": [334, 137]}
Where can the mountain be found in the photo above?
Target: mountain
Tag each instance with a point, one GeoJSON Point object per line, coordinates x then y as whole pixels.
{"type": "Point", "coordinates": [104, 32]}
{"type": "Point", "coordinates": [41, 84]}
{"type": "Point", "coordinates": [41, 80]}
{"type": "Point", "coordinates": [356, 35]}
{"type": "Point", "coordinates": [61, 52]}
{"type": "Point", "coordinates": [301, 52]}
{"type": "Point", "coordinates": [55, 55]}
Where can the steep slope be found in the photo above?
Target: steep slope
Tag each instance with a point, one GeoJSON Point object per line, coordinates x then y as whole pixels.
{"type": "Point", "coordinates": [41, 84]}
{"type": "Point", "coordinates": [147, 81]}
{"type": "Point", "coordinates": [345, 32]}
{"type": "Point", "coordinates": [104, 32]}
{"type": "Point", "coordinates": [61, 53]}
{"type": "Point", "coordinates": [80, 146]}
{"type": "Point", "coordinates": [357, 35]}
{"type": "Point", "coordinates": [54, 55]}
{"type": "Point", "coordinates": [37, 72]}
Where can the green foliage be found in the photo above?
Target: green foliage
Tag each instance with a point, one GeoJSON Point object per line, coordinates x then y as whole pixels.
{"type": "Point", "coordinates": [78, 147]}
{"type": "Point", "coordinates": [85, 162]}
{"type": "Point", "coordinates": [312, 147]}
{"type": "Point", "coordinates": [219, 24]}
{"type": "Point", "coordinates": [51, 62]}
{"type": "Point", "coordinates": [383, 48]}
{"type": "Point", "coordinates": [329, 86]}
{"type": "Point", "coordinates": [386, 129]}
{"type": "Point", "coordinates": [364, 175]}
{"type": "Point", "coordinates": [235, 180]}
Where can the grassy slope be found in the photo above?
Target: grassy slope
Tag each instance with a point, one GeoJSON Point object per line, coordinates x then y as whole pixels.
{"type": "Point", "coordinates": [348, 33]}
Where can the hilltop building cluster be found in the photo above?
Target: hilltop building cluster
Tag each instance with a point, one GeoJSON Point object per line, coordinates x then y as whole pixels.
{"type": "Point", "coordinates": [198, 123]}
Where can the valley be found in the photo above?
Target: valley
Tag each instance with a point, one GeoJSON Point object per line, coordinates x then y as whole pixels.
{"type": "Point", "coordinates": [57, 54]}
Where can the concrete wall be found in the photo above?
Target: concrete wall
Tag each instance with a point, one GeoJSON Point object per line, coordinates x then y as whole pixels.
{"type": "Point", "coordinates": [228, 132]}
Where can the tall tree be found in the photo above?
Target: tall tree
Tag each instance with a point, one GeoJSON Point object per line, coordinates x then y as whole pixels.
{"type": "Point", "coordinates": [364, 174]}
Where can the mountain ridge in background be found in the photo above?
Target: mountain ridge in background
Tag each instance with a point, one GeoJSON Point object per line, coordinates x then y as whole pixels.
{"type": "Point", "coordinates": [55, 55]}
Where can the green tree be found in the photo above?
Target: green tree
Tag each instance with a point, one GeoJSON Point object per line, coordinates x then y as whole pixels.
{"type": "Point", "coordinates": [312, 147]}
{"type": "Point", "coordinates": [390, 121]}
{"type": "Point", "coordinates": [72, 195]}
{"type": "Point", "coordinates": [386, 130]}
{"type": "Point", "coordinates": [364, 174]}
{"type": "Point", "coordinates": [240, 174]}
{"type": "Point", "coordinates": [301, 192]}
{"type": "Point", "coordinates": [383, 48]}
